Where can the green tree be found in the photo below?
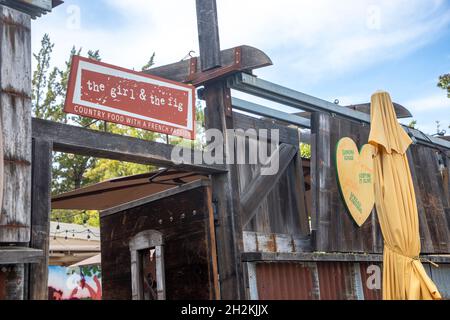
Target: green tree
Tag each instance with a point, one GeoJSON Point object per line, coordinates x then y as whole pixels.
{"type": "Point", "coordinates": [444, 83]}
{"type": "Point", "coordinates": [413, 124]}
{"type": "Point", "coordinates": [150, 63]}
{"type": "Point", "coordinates": [305, 150]}
{"type": "Point", "coordinates": [49, 88]}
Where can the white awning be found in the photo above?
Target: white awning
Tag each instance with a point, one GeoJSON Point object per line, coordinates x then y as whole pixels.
{"type": "Point", "coordinates": [95, 260]}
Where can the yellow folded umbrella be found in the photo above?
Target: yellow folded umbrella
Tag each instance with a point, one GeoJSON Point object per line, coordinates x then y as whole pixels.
{"type": "Point", "coordinates": [404, 277]}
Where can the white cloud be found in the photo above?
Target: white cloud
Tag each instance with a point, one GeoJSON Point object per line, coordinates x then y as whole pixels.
{"type": "Point", "coordinates": [325, 38]}
{"type": "Point", "coordinates": [434, 102]}
{"type": "Point", "coordinates": [166, 27]}
{"type": "Point", "coordinates": [311, 39]}
{"type": "Point", "coordinates": [308, 41]}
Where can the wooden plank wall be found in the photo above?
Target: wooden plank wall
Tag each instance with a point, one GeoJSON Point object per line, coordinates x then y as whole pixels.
{"type": "Point", "coordinates": [15, 116]}
{"type": "Point", "coordinates": [432, 199]}
{"type": "Point", "coordinates": [283, 211]}
{"type": "Point", "coordinates": [333, 228]}
{"type": "Point", "coordinates": [188, 251]}
{"type": "Point", "coordinates": [278, 212]}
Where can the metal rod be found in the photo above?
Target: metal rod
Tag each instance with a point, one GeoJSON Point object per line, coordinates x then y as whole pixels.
{"type": "Point", "coordinates": [289, 97]}
{"type": "Point", "coordinates": [260, 110]}
{"type": "Point", "coordinates": [264, 89]}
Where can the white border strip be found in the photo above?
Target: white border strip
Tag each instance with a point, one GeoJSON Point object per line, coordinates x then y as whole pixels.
{"type": "Point", "coordinates": [84, 65]}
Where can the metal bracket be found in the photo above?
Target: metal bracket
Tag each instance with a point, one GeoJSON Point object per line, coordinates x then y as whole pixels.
{"type": "Point", "coordinates": [215, 213]}
{"type": "Point", "coordinates": [227, 103]}
{"type": "Point", "coordinates": [200, 78]}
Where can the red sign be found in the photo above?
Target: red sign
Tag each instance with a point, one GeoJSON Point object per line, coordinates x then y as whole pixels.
{"type": "Point", "coordinates": [101, 91]}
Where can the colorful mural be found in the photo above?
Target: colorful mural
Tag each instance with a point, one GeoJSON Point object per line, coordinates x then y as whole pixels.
{"type": "Point", "coordinates": [77, 283]}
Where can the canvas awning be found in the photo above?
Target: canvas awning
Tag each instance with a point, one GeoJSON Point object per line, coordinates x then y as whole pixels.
{"type": "Point", "coordinates": [92, 261]}
{"type": "Point", "coordinates": [111, 193]}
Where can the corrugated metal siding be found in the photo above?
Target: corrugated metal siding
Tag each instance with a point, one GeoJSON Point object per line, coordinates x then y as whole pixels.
{"type": "Point", "coordinates": [336, 281]}
{"type": "Point", "coordinates": [286, 281]}
{"type": "Point", "coordinates": [312, 281]}
{"type": "Point", "coordinates": [332, 280]}
{"type": "Point", "coordinates": [369, 293]}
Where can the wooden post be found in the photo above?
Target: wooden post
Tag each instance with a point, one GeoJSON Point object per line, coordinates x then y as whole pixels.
{"type": "Point", "coordinates": [15, 107]}
{"type": "Point", "coordinates": [321, 176]}
{"type": "Point", "coordinates": [15, 116]}
{"type": "Point", "coordinates": [40, 217]}
{"type": "Point", "coordinates": [208, 34]}
{"type": "Point", "coordinates": [224, 186]}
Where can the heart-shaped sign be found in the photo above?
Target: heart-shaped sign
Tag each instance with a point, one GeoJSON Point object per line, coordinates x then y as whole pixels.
{"type": "Point", "coordinates": [355, 178]}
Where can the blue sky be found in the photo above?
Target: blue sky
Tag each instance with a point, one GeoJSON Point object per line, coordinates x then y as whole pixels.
{"type": "Point", "coordinates": [342, 50]}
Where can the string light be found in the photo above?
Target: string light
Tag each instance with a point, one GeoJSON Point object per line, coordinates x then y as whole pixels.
{"type": "Point", "coordinates": [73, 231]}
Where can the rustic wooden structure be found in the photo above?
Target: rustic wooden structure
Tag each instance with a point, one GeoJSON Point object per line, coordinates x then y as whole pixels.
{"type": "Point", "coordinates": [184, 221]}
{"type": "Point", "coordinates": [253, 236]}
{"type": "Point", "coordinates": [23, 235]}
{"type": "Point", "coordinates": [15, 104]}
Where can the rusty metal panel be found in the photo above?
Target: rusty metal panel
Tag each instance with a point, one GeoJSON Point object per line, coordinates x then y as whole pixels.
{"type": "Point", "coordinates": [287, 281]}
{"type": "Point", "coordinates": [370, 283]}
{"type": "Point", "coordinates": [337, 281]}
{"type": "Point", "coordinates": [318, 280]}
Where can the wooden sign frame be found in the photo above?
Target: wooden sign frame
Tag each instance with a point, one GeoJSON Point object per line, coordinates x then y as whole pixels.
{"type": "Point", "coordinates": [105, 92]}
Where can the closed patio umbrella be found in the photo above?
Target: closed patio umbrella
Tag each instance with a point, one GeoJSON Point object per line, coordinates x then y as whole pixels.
{"type": "Point", "coordinates": [404, 277]}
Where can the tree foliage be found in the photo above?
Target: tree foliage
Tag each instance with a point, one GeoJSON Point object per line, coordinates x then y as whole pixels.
{"type": "Point", "coordinates": [444, 83]}
{"type": "Point", "coordinates": [49, 88]}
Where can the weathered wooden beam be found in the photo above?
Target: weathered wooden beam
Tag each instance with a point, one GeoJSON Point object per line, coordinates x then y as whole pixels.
{"type": "Point", "coordinates": [327, 257]}
{"type": "Point", "coordinates": [15, 106]}
{"type": "Point", "coordinates": [251, 58]}
{"type": "Point", "coordinates": [224, 186]}
{"type": "Point", "coordinates": [321, 174]}
{"type": "Point", "coordinates": [208, 34]}
{"type": "Point", "coordinates": [77, 140]}
{"type": "Point", "coordinates": [310, 257]}
{"type": "Point", "coordinates": [260, 187]}
{"type": "Point", "coordinates": [40, 216]}
{"type": "Point", "coordinates": [212, 247]}
{"type": "Point", "coordinates": [286, 134]}
{"type": "Point", "coordinates": [301, 196]}
{"type": "Point", "coordinates": [19, 255]}
{"type": "Point", "coordinates": [155, 197]}
{"type": "Point", "coordinates": [275, 242]}
{"type": "Point", "coordinates": [34, 8]}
